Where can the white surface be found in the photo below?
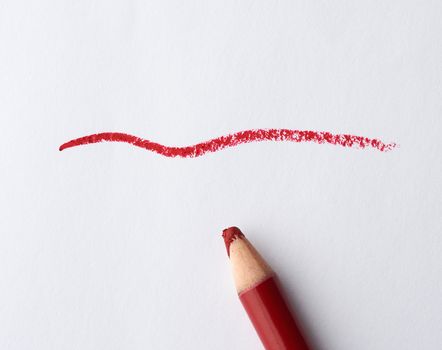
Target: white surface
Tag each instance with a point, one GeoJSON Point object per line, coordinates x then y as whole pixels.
{"type": "Point", "coordinates": [112, 247]}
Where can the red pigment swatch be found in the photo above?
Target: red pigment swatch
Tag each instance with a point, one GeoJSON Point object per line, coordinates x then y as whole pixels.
{"type": "Point", "coordinates": [235, 139]}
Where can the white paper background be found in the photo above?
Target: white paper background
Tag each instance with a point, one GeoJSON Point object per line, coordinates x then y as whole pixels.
{"type": "Point", "coordinates": [112, 247]}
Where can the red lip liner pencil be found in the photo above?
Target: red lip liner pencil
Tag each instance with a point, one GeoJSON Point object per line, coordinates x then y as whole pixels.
{"type": "Point", "coordinates": [260, 295]}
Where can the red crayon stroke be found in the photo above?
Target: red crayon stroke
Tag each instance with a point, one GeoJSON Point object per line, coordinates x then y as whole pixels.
{"type": "Point", "coordinates": [235, 139]}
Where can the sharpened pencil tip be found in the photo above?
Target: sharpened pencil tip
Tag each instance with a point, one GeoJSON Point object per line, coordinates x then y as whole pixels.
{"type": "Point", "coordinates": [229, 235]}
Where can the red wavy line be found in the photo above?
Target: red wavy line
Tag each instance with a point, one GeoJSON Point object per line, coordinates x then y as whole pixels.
{"type": "Point", "coordinates": [235, 139]}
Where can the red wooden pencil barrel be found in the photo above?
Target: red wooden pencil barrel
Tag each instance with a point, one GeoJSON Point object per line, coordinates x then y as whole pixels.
{"type": "Point", "coordinates": [260, 295]}
{"type": "Point", "coordinates": [271, 317]}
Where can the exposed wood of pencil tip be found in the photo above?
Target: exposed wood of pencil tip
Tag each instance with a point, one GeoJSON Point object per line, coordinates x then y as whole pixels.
{"type": "Point", "coordinates": [248, 267]}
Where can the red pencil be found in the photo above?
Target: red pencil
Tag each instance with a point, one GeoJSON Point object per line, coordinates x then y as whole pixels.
{"type": "Point", "coordinates": [260, 295]}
